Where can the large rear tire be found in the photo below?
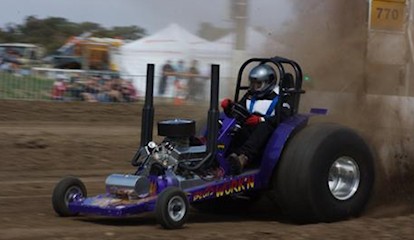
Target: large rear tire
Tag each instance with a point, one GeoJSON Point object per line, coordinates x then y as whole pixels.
{"type": "Point", "coordinates": [326, 174]}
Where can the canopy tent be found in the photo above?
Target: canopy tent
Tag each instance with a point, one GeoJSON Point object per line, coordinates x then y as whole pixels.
{"type": "Point", "coordinates": [173, 40]}
{"type": "Point", "coordinates": [172, 43]}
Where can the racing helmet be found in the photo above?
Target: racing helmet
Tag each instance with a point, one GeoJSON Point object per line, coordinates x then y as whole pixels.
{"type": "Point", "coordinates": [262, 80]}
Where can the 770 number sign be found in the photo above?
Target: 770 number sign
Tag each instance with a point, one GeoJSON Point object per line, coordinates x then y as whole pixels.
{"type": "Point", "coordinates": [388, 15]}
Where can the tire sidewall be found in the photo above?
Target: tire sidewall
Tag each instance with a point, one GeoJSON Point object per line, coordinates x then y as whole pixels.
{"type": "Point", "coordinates": [300, 182]}
{"type": "Point", "coordinates": [161, 208]}
{"type": "Point", "coordinates": [59, 195]}
{"type": "Point", "coordinates": [339, 144]}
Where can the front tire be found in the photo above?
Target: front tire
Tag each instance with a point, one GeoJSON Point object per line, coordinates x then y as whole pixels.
{"type": "Point", "coordinates": [172, 208]}
{"type": "Point", "coordinates": [65, 192]}
{"type": "Point", "coordinates": [326, 174]}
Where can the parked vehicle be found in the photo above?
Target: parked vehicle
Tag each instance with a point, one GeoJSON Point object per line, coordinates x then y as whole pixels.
{"type": "Point", "coordinates": [24, 54]}
{"type": "Point", "coordinates": [87, 53]}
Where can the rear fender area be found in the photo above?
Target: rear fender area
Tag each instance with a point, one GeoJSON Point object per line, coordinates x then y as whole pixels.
{"type": "Point", "coordinates": [276, 144]}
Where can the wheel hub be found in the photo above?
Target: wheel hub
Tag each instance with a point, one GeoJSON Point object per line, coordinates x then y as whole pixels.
{"type": "Point", "coordinates": [344, 178]}
{"type": "Point", "coordinates": [176, 208]}
{"type": "Point", "coordinates": [72, 193]}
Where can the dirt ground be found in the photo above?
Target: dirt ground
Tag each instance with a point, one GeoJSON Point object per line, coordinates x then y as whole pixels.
{"type": "Point", "coordinates": [41, 142]}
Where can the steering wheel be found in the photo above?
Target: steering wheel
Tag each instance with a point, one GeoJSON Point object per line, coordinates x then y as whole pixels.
{"type": "Point", "coordinates": [239, 112]}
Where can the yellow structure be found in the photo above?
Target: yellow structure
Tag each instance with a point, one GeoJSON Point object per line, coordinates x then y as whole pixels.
{"type": "Point", "coordinates": [97, 52]}
{"type": "Point", "coordinates": [89, 53]}
{"type": "Point", "coordinates": [389, 15]}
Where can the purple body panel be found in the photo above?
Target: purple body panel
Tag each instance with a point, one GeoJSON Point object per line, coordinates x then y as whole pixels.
{"type": "Point", "coordinates": [223, 142]}
{"type": "Point", "coordinates": [110, 206]}
{"type": "Point", "coordinates": [224, 187]}
{"type": "Point", "coordinates": [229, 185]}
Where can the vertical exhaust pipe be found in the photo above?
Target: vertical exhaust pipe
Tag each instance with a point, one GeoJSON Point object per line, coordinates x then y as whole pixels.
{"type": "Point", "coordinates": [147, 121]}
{"type": "Point", "coordinates": [213, 112]}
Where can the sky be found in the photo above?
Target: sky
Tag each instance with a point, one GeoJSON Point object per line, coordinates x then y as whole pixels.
{"type": "Point", "coordinates": [152, 15]}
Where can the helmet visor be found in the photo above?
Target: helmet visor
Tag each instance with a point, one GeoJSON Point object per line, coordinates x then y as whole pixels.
{"type": "Point", "coordinates": [256, 85]}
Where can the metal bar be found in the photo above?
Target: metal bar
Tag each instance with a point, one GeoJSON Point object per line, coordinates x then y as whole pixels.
{"type": "Point", "coordinates": [213, 113]}
{"type": "Point", "coordinates": [148, 108]}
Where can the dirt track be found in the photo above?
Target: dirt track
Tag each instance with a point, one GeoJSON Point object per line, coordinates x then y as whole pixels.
{"type": "Point", "coordinates": [42, 142]}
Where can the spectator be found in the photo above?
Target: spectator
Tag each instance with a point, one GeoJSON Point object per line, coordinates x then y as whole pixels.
{"type": "Point", "coordinates": [5, 66]}
{"type": "Point", "coordinates": [196, 82]}
{"type": "Point", "coordinates": [181, 83]}
{"type": "Point", "coordinates": [129, 92]}
{"type": "Point", "coordinates": [105, 86]}
{"type": "Point", "coordinates": [59, 87]}
{"type": "Point", "coordinates": [203, 78]}
{"type": "Point", "coordinates": [75, 88]}
{"type": "Point", "coordinates": [114, 92]}
{"type": "Point", "coordinates": [15, 62]}
{"type": "Point", "coordinates": [95, 89]}
{"type": "Point", "coordinates": [167, 72]}
{"type": "Point", "coordinates": [91, 90]}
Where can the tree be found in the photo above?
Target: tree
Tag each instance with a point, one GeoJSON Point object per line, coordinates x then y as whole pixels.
{"type": "Point", "coordinates": [53, 32]}
{"type": "Point", "coordinates": [128, 32]}
{"type": "Point", "coordinates": [89, 27]}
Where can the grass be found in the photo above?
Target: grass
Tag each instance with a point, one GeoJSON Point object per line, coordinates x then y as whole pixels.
{"type": "Point", "coordinates": [24, 87]}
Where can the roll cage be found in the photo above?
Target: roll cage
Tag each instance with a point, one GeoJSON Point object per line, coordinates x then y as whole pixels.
{"type": "Point", "coordinates": [290, 86]}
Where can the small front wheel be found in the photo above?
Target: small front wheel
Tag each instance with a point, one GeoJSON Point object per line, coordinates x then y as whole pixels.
{"type": "Point", "coordinates": [172, 208]}
{"type": "Point", "coordinates": [68, 189]}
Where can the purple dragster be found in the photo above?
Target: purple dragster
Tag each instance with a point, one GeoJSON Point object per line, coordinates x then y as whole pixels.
{"type": "Point", "coordinates": [319, 172]}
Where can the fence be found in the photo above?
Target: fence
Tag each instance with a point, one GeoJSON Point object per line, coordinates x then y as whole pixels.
{"type": "Point", "coordinates": [67, 85]}
{"type": "Point", "coordinates": [47, 84]}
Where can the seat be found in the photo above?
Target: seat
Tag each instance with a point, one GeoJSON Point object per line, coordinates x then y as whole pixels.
{"type": "Point", "coordinates": [288, 84]}
{"type": "Point", "coordinates": [288, 81]}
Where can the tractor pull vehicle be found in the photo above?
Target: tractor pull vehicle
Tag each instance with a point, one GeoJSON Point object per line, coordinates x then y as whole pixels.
{"type": "Point", "coordinates": [319, 172]}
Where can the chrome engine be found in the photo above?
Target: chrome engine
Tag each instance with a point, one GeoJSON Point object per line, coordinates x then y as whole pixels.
{"type": "Point", "coordinates": [154, 160]}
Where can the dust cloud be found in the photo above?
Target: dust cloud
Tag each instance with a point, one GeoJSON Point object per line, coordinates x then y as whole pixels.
{"type": "Point", "coordinates": [331, 41]}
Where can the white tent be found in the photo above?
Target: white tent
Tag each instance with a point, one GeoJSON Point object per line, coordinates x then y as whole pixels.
{"type": "Point", "coordinates": [172, 43]}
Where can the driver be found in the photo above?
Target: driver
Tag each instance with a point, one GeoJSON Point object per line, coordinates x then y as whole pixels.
{"type": "Point", "coordinates": [261, 101]}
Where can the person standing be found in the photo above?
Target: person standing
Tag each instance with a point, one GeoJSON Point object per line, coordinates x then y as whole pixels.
{"type": "Point", "coordinates": [167, 71]}
{"type": "Point", "coordinates": [181, 83]}
{"type": "Point", "coordinates": [59, 87]}
{"type": "Point", "coordinates": [193, 80]}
